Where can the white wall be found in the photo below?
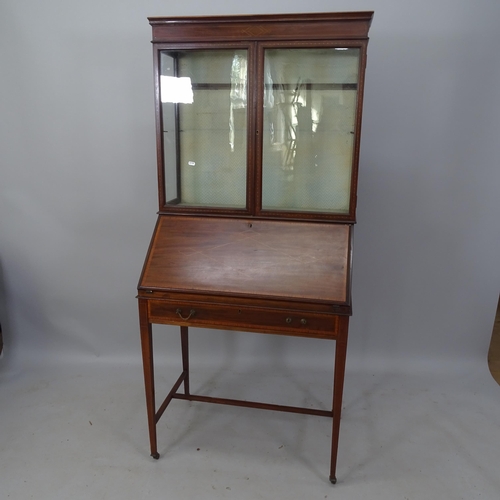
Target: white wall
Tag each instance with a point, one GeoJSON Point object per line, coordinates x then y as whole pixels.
{"type": "Point", "coordinates": [78, 180]}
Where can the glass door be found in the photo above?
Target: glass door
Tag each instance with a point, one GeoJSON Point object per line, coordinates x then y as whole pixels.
{"type": "Point", "coordinates": [300, 161]}
{"type": "Point", "coordinates": [309, 127]}
{"type": "Point", "coordinates": [204, 102]}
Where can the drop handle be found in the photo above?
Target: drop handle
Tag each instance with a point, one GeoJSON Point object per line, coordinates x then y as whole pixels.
{"type": "Point", "coordinates": [192, 312]}
{"type": "Point", "coordinates": [303, 321]}
{"type": "Point", "coordinates": [288, 320]}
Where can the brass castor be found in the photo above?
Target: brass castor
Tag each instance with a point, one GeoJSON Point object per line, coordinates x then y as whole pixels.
{"type": "Point", "coordinates": [333, 480]}
{"type": "Point", "coordinates": [156, 455]}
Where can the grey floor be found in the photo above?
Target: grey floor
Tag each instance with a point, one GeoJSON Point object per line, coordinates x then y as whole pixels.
{"type": "Point", "coordinates": [77, 430]}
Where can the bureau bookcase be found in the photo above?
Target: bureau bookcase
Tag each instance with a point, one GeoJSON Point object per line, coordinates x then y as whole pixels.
{"type": "Point", "coordinates": [258, 122]}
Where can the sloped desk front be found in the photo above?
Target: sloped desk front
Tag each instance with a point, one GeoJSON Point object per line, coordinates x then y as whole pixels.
{"type": "Point", "coordinates": [278, 277]}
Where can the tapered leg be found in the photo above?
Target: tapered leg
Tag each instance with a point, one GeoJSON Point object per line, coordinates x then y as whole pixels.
{"type": "Point", "coordinates": [149, 379]}
{"type": "Point", "coordinates": [338, 388]}
{"type": "Point", "coordinates": [185, 357]}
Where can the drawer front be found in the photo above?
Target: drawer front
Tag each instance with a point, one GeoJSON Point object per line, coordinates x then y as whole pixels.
{"type": "Point", "coordinates": [230, 317]}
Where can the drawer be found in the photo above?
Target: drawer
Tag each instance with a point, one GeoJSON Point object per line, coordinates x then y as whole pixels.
{"type": "Point", "coordinates": [231, 317]}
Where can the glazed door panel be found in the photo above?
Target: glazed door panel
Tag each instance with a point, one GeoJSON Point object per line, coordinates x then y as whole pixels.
{"type": "Point", "coordinates": [309, 122]}
{"type": "Point", "coordinates": [204, 117]}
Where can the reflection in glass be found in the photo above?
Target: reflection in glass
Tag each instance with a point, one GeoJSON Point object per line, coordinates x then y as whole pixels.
{"type": "Point", "coordinates": [176, 89]}
{"type": "Point", "coordinates": [204, 113]}
{"type": "Point", "coordinates": [309, 122]}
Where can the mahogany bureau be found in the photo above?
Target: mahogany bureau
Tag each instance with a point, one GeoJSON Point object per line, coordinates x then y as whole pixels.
{"type": "Point", "coordinates": [258, 130]}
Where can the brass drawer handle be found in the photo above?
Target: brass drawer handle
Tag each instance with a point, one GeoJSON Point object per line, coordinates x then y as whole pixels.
{"type": "Point", "coordinates": [303, 321]}
{"type": "Point", "coordinates": [192, 312]}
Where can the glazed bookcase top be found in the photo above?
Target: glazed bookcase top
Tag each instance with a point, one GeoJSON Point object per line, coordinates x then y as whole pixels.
{"type": "Point", "coordinates": [260, 116]}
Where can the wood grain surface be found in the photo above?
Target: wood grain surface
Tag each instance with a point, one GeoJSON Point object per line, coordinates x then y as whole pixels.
{"type": "Point", "coordinates": [278, 259]}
